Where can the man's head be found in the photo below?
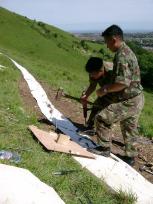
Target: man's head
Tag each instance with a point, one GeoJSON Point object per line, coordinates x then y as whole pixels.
{"type": "Point", "coordinates": [95, 68]}
{"type": "Point", "coordinates": [113, 37]}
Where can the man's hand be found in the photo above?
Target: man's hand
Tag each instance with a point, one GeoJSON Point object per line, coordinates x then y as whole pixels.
{"type": "Point", "coordinates": [83, 99]}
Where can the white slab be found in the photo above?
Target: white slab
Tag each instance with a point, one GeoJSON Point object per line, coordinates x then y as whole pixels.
{"type": "Point", "coordinates": [20, 186]}
{"type": "Point", "coordinates": [120, 176]}
{"type": "Point", "coordinates": [117, 174]}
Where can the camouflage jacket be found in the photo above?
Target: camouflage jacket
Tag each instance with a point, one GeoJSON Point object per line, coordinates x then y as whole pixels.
{"type": "Point", "coordinates": [126, 71]}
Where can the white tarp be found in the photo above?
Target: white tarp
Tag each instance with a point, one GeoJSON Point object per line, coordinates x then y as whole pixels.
{"type": "Point", "coordinates": [117, 174]}
{"type": "Point", "coordinates": [20, 186]}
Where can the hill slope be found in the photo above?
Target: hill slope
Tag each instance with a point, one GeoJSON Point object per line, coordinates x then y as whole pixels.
{"type": "Point", "coordinates": [50, 53]}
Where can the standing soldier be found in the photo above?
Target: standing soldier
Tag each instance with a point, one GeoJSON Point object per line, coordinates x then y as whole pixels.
{"type": "Point", "coordinates": [126, 91]}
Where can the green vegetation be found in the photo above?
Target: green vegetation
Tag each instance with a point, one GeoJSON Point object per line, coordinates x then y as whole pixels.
{"type": "Point", "coordinates": [146, 124]}
{"type": "Point", "coordinates": [57, 58]}
{"type": "Point", "coordinates": [145, 59]}
{"type": "Point", "coordinates": [126, 198]}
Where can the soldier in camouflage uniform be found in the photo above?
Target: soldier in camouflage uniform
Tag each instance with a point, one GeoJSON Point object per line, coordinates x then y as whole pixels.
{"type": "Point", "coordinates": [127, 96]}
{"type": "Point", "coordinates": [99, 74]}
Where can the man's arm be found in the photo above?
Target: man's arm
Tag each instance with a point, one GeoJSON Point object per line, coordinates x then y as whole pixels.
{"type": "Point", "coordinates": [91, 88]}
{"type": "Point", "coordinates": [85, 96]}
{"type": "Point", "coordinates": [110, 88]}
{"type": "Point", "coordinates": [122, 78]}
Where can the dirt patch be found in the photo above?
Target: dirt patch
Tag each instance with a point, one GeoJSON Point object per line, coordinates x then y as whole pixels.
{"type": "Point", "coordinates": [73, 110]}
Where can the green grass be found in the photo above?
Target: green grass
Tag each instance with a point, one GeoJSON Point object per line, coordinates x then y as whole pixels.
{"type": "Point", "coordinates": [146, 123]}
{"type": "Point", "coordinates": [57, 58]}
{"type": "Point", "coordinates": [125, 198]}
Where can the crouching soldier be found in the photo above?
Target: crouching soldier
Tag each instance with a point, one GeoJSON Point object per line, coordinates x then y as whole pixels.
{"type": "Point", "coordinates": [99, 74]}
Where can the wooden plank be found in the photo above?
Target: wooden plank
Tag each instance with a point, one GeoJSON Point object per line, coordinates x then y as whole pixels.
{"type": "Point", "coordinates": [61, 143]}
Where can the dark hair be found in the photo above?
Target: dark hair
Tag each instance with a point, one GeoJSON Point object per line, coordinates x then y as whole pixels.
{"type": "Point", "coordinates": [94, 64]}
{"type": "Point", "coordinates": [113, 30]}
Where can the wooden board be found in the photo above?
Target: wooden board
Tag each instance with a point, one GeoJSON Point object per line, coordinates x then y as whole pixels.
{"type": "Point", "coordinates": [59, 143]}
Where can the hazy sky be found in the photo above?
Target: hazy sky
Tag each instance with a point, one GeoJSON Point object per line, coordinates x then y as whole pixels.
{"type": "Point", "coordinates": [73, 15]}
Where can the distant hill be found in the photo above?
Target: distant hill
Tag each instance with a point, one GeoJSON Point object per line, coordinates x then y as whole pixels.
{"type": "Point", "coordinates": [20, 34]}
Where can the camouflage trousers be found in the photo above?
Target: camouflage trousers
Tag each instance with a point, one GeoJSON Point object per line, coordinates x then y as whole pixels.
{"type": "Point", "coordinates": [127, 113]}
{"type": "Point", "coordinates": [99, 104]}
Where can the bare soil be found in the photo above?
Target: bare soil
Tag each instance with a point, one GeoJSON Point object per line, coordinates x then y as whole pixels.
{"type": "Point", "coordinates": [73, 110]}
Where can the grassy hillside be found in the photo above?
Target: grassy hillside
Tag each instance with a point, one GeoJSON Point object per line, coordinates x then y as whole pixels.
{"type": "Point", "coordinates": [51, 54]}
{"type": "Point", "coordinates": [58, 58]}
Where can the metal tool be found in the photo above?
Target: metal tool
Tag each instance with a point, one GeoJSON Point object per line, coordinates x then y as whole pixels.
{"type": "Point", "coordinates": [84, 105]}
{"type": "Point", "coordinates": [60, 92]}
{"type": "Point", "coordinates": [65, 172]}
{"type": "Point", "coordinates": [143, 168]}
